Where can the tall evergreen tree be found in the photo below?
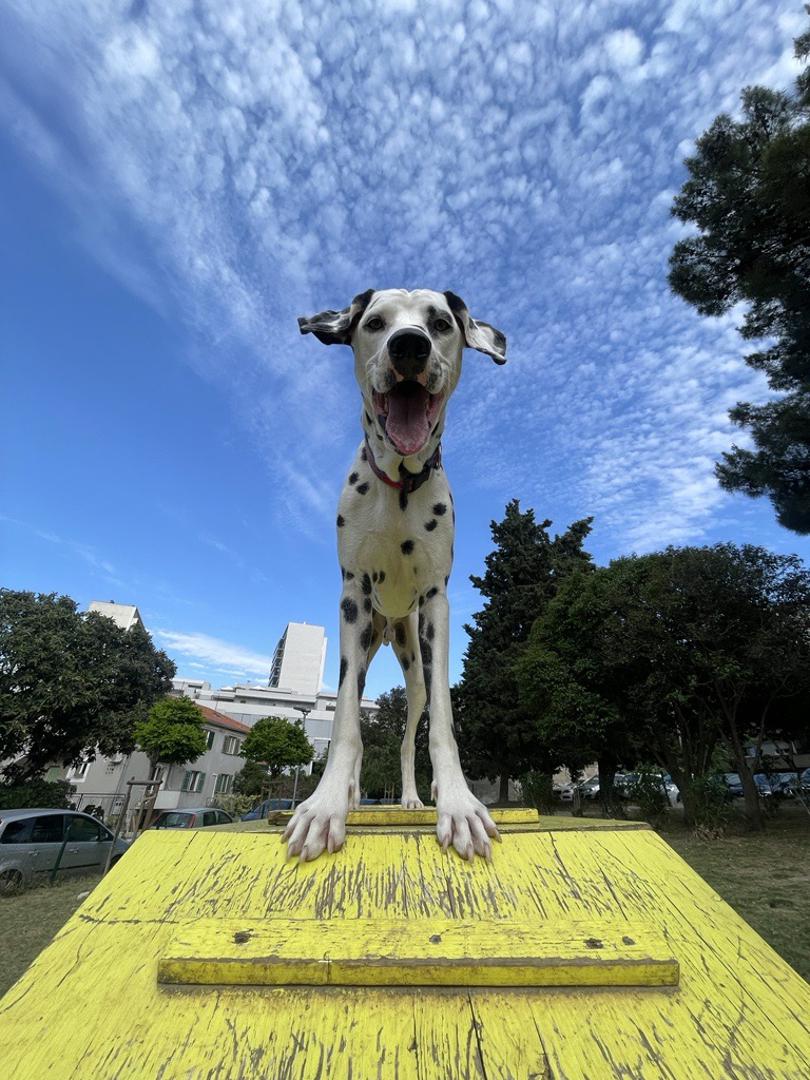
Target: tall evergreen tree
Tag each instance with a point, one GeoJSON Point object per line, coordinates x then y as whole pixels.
{"type": "Point", "coordinates": [498, 735]}
{"type": "Point", "coordinates": [749, 195]}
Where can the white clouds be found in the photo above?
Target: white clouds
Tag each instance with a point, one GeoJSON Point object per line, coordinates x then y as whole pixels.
{"type": "Point", "coordinates": [280, 158]}
{"type": "Point", "coordinates": [623, 48]}
{"type": "Point", "coordinates": [206, 651]}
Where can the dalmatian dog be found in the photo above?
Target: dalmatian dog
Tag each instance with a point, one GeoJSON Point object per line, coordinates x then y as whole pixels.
{"type": "Point", "coordinates": [395, 528]}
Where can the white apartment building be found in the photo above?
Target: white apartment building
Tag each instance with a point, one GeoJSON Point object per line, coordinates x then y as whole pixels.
{"type": "Point", "coordinates": [293, 689]}
{"type": "Point", "coordinates": [124, 615]}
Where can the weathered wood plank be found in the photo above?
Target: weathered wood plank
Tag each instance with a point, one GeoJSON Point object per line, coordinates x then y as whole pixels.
{"type": "Point", "coordinates": [739, 1011]}
{"type": "Point", "coordinates": [415, 952]}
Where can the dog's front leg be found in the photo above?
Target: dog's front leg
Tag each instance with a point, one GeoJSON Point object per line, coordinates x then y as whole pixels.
{"type": "Point", "coordinates": [320, 821]}
{"type": "Point", "coordinates": [462, 820]}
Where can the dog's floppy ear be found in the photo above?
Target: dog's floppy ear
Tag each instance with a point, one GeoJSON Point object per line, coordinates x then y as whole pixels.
{"type": "Point", "coordinates": [477, 335]}
{"type": "Point", "coordinates": [336, 327]}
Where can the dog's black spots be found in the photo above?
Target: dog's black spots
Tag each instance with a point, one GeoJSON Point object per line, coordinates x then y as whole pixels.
{"type": "Point", "coordinates": [403, 499]}
{"type": "Point", "coordinates": [340, 521]}
{"type": "Point", "coordinates": [365, 637]}
{"type": "Point", "coordinates": [439, 509]}
{"type": "Point", "coordinates": [349, 609]}
{"type": "Point", "coordinates": [498, 338]}
{"type": "Point", "coordinates": [406, 547]}
{"type": "Point", "coordinates": [344, 663]}
{"type": "Point", "coordinates": [361, 489]}
{"type": "Point", "coordinates": [349, 575]}
{"type": "Point", "coordinates": [367, 604]}
{"type": "Point", "coordinates": [431, 593]}
{"type": "Point", "coordinates": [452, 552]}
{"type": "Point", "coordinates": [374, 575]}
{"type": "Point", "coordinates": [363, 455]}
{"type": "Point", "coordinates": [342, 573]}
{"type": "Point", "coordinates": [361, 682]}
{"type": "Point", "coordinates": [368, 421]}
{"type": "Point", "coordinates": [450, 497]}
{"type": "Point", "coordinates": [413, 658]}
{"type": "Point", "coordinates": [416, 571]}
{"type": "Point", "coordinates": [446, 580]}
{"type": "Point", "coordinates": [381, 578]}
{"type": "Point", "coordinates": [430, 525]}
{"type": "Point", "coordinates": [399, 633]}
{"type": "Point", "coordinates": [379, 436]}
{"type": "Point", "coordinates": [427, 651]}
{"type": "Point", "coordinates": [405, 663]}
{"type": "Point", "coordinates": [430, 632]}
{"type": "Point", "coordinates": [353, 478]}
{"type": "Point", "coordinates": [366, 585]}
{"type": "Point", "coordinates": [426, 673]}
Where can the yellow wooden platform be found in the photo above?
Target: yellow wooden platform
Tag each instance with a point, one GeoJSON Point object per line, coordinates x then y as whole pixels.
{"type": "Point", "coordinates": [92, 1006]}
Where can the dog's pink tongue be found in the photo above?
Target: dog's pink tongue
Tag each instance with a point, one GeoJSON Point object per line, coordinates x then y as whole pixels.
{"type": "Point", "coordinates": [407, 425]}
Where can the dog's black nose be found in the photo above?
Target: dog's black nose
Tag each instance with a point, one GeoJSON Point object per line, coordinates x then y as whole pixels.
{"type": "Point", "coordinates": [409, 350]}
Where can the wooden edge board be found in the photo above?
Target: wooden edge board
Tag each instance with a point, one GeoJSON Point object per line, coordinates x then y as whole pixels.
{"type": "Point", "coordinates": [416, 952]}
{"type": "Point", "coordinates": [395, 815]}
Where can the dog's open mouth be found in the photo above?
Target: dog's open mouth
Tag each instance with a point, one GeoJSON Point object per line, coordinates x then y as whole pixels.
{"type": "Point", "coordinates": [407, 414]}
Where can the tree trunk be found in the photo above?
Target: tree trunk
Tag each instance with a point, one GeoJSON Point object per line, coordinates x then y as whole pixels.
{"type": "Point", "coordinates": [503, 793]}
{"type": "Point", "coordinates": [753, 810]}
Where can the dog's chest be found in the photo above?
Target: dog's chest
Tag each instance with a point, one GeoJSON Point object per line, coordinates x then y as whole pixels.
{"type": "Point", "coordinates": [405, 549]}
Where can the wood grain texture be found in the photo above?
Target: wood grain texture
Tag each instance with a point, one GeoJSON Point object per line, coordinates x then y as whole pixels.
{"type": "Point", "coordinates": [90, 1005]}
{"type": "Point", "coordinates": [424, 952]}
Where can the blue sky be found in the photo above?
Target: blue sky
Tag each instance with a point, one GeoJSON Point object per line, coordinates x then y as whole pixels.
{"type": "Point", "coordinates": [180, 181]}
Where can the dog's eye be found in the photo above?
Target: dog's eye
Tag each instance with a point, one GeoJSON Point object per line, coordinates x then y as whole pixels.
{"type": "Point", "coordinates": [374, 323]}
{"type": "Point", "coordinates": [442, 325]}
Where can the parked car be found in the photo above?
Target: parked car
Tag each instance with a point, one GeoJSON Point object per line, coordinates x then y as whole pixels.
{"type": "Point", "coordinates": [195, 817]}
{"type": "Point", "coordinates": [31, 841]}
{"type": "Point", "coordinates": [589, 789]}
{"type": "Point", "coordinates": [264, 808]}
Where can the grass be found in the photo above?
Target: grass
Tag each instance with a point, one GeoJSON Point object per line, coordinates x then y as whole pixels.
{"type": "Point", "coordinates": [766, 878]}
{"type": "Point", "coordinates": [28, 923]}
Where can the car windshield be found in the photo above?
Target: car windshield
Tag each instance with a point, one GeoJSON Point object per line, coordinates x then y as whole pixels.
{"type": "Point", "coordinates": [732, 777]}
{"type": "Point", "coordinates": [174, 820]}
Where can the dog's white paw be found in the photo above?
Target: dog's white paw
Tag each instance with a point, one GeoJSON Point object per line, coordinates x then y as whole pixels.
{"type": "Point", "coordinates": [411, 801]}
{"type": "Point", "coordinates": [462, 820]}
{"type": "Point", "coordinates": [319, 823]}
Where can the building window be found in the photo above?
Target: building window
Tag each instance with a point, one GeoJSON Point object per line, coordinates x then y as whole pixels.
{"type": "Point", "coordinates": [209, 739]}
{"type": "Point", "coordinates": [78, 773]}
{"type": "Point", "coordinates": [231, 745]}
{"type": "Point", "coordinates": [193, 780]}
{"type": "Point", "coordinates": [224, 784]}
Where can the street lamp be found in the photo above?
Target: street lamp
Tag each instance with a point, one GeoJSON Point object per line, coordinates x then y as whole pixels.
{"type": "Point", "coordinates": [304, 714]}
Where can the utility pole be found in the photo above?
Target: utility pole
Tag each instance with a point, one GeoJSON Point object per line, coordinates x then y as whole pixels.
{"type": "Point", "coordinates": [304, 714]}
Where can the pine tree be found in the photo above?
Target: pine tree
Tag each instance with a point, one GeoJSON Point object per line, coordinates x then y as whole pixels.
{"type": "Point", "coordinates": [497, 736]}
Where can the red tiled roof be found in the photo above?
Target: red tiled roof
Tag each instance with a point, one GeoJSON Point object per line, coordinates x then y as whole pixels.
{"type": "Point", "coordinates": [211, 716]}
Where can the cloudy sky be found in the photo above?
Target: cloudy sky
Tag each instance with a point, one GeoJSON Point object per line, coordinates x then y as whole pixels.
{"type": "Point", "coordinates": [181, 180]}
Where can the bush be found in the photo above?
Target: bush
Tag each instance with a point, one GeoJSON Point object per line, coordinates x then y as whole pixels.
{"type": "Point", "coordinates": [647, 791]}
{"type": "Point", "coordinates": [711, 806]}
{"type": "Point", "coordinates": [53, 794]}
{"type": "Point", "coordinates": [236, 805]}
{"type": "Point", "coordinates": [538, 791]}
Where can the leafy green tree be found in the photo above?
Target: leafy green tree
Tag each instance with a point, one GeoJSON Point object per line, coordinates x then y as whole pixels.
{"type": "Point", "coordinates": [172, 733]}
{"type": "Point", "coordinates": [277, 743]}
{"type": "Point", "coordinates": [70, 683]}
{"type": "Point", "coordinates": [253, 779]}
{"type": "Point", "coordinates": [498, 734]}
{"type": "Point", "coordinates": [749, 195]}
{"type": "Point", "coordinates": [382, 734]}
{"type": "Point", "coordinates": [665, 656]}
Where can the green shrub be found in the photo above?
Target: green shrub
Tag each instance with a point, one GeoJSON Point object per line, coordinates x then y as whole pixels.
{"type": "Point", "coordinates": [711, 806]}
{"type": "Point", "coordinates": [53, 794]}
{"type": "Point", "coordinates": [647, 791]}
{"type": "Point", "coordinates": [235, 805]}
{"type": "Point", "coordinates": [538, 791]}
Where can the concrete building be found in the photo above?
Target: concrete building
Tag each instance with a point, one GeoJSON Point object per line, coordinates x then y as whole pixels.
{"type": "Point", "coordinates": [299, 659]}
{"type": "Point", "coordinates": [247, 704]}
{"type": "Point", "coordinates": [124, 615]}
{"type": "Point", "coordinates": [103, 782]}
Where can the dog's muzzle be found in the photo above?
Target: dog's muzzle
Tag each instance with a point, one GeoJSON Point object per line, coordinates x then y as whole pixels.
{"type": "Point", "coordinates": [408, 350]}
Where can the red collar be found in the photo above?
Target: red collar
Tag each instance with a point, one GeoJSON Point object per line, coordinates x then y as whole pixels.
{"type": "Point", "coordinates": [408, 481]}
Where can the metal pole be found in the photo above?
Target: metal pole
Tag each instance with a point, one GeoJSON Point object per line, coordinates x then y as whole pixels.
{"type": "Point", "coordinates": [305, 713]}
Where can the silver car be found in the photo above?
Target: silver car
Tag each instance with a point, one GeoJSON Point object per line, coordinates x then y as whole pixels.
{"type": "Point", "coordinates": [31, 841]}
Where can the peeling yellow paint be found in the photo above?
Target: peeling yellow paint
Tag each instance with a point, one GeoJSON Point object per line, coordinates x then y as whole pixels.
{"type": "Point", "coordinates": [91, 1006]}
